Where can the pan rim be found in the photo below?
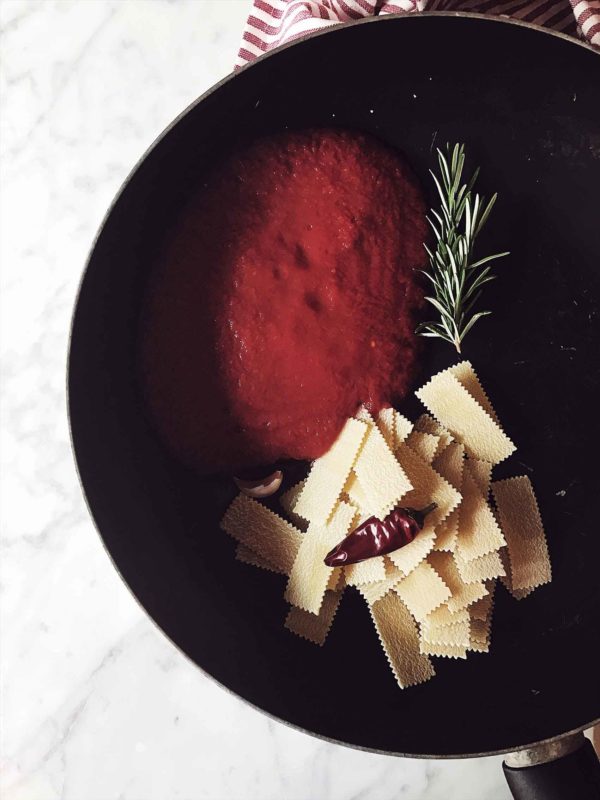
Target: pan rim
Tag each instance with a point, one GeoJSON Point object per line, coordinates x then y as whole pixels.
{"type": "Point", "coordinates": [330, 30]}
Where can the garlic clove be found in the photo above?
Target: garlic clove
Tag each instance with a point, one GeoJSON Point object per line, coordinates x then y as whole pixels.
{"type": "Point", "coordinates": [263, 487]}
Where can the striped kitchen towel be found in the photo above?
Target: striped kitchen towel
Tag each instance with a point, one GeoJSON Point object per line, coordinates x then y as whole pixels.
{"type": "Point", "coordinates": [274, 22]}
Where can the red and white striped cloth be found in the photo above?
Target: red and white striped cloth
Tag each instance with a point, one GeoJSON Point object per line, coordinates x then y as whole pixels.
{"type": "Point", "coordinates": [274, 22]}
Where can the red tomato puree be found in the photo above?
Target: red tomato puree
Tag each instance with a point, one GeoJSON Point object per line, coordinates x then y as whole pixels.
{"type": "Point", "coordinates": [284, 298]}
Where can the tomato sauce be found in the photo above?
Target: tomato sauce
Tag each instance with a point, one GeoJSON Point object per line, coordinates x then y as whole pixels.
{"type": "Point", "coordinates": [284, 297]}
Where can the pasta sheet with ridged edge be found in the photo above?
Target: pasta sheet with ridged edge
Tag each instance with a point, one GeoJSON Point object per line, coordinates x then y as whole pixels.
{"type": "Point", "coordinates": [424, 444]}
{"type": "Point", "coordinates": [464, 372]}
{"type": "Point", "coordinates": [310, 575]}
{"type": "Point", "coordinates": [442, 650]}
{"type": "Point", "coordinates": [429, 485]}
{"type": "Point", "coordinates": [524, 532]}
{"type": "Point", "coordinates": [450, 464]}
{"type": "Point", "coordinates": [483, 568]}
{"type": "Point", "coordinates": [289, 499]}
{"type": "Point", "coordinates": [462, 594]}
{"type": "Point", "coordinates": [382, 478]}
{"type": "Point", "coordinates": [328, 474]}
{"type": "Point", "coordinates": [455, 408]}
{"type": "Point", "coordinates": [266, 533]}
{"type": "Point", "coordinates": [399, 636]}
{"type": "Point", "coordinates": [457, 635]}
{"type": "Point", "coordinates": [370, 571]}
{"type": "Point", "coordinates": [422, 591]}
{"type": "Point", "coordinates": [314, 627]}
{"type": "Point", "coordinates": [375, 591]}
{"type": "Point", "coordinates": [478, 530]}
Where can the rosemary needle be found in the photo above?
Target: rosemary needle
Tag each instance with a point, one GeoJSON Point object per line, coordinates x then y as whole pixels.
{"type": "Point", "coordinates": [456, 278]}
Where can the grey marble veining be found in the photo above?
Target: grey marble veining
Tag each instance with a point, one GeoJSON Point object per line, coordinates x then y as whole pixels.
{"type": "Point", "coordinates": [96, 704]}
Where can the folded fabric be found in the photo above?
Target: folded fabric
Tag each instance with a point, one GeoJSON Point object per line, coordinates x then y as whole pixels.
{"type": "Point", "coordinates": [276, 22]}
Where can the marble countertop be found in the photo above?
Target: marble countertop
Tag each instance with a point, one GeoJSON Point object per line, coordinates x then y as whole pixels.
{"type": "Point", "coordinates": [97, 704]}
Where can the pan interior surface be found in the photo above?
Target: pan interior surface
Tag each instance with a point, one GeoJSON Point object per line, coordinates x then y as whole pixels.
{"type": "Point", "coordinates": [527, 105]}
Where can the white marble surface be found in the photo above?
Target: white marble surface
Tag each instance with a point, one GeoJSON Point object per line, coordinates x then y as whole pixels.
{"type": "Point", "coordinates": [96, 704]}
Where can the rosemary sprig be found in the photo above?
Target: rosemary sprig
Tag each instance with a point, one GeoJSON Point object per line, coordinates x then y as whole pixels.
{"type": "Point", "coordinates": [457, 279]}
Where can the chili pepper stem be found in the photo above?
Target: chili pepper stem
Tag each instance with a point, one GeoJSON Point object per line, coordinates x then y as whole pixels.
{"type": "Point", "coordinates": [428, 509]}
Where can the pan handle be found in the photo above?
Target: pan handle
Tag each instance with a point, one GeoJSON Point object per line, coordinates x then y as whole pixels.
{"type": "Point", "coordinates": [564, 769]}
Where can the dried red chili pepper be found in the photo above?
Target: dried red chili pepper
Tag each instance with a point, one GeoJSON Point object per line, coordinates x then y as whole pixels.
{"type": "Point", "coordinates": [377, 537]}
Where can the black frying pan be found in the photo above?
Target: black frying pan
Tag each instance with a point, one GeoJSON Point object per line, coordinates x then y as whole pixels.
{"type": "Point", "coordinates": [527, 104]}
